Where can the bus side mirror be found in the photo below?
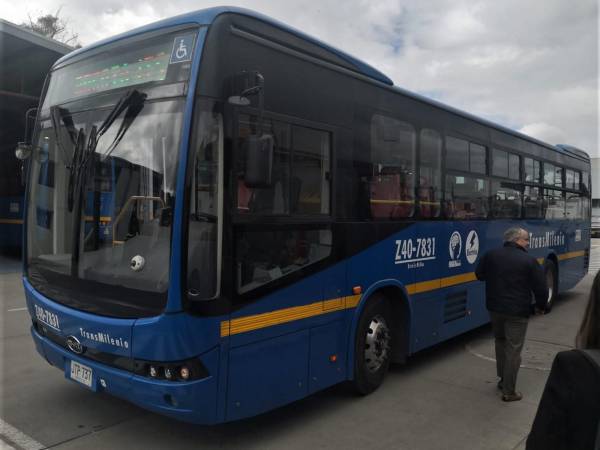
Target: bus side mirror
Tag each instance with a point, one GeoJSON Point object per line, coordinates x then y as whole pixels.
{"type": "Point", "coordinates": [23, 150]}
{"type": "Point", "coordinates": [259, 161]}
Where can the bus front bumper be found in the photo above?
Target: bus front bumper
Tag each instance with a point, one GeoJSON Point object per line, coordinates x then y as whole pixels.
{"type": "Point", "coordinates": [193, 401]}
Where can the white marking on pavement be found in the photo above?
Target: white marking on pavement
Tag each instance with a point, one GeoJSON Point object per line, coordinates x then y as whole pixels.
{"type": "Point", "coordinates": [11, 434]}
{"type": "Point", "coordinates": [487, 358]}
{"type": "Point", "coordinates": [17, 309]}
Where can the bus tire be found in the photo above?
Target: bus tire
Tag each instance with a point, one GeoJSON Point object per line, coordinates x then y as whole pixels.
{"type": "Point", "coordinates": [552, 282]}
{"type": "Point", "coordinates": [372, 347]}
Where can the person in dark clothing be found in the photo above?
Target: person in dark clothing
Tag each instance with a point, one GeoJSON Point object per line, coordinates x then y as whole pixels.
{"type": "Point", "coordinates": [568, 416]}
{"type": "Point", "coordinates": [510, 276]}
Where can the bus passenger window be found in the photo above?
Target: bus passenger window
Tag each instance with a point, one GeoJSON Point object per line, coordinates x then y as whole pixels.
{"type": "Point", "coordinates": [554, 204]}
{"type": "Point", "coordinates": [264, 256]}
{"type": "Point", "coordinates": [585, 182]}
{"type": "Point", "coordinates": [273, 199]}
{"type": "Point", "coordinates": [514, 167]}
{"type": "Point", "coordinates": [533, 206]}
{"type": "Point", "coordinates": [309, 185]}
{"type": "Point", "coordinates": [558, 176]}
{"type": "Point", "coordinates": [549, 174]}
{"type": "Point", "coordinates": [430, 173]}
{"type": "Point", "coordinates": [570, 179]}
{"type": "Point", "coordinates": [466, 197]}
{"type": "Point", "coordinates": [392, 180]}
{"type": "Point", "coordinates": [506, 200]}
{"type": "Point", "coordinates": [477, 160]}
{"type": "Point", "coordinates": [300, 175]}
{"type": "Point", "coordinates": [457, 154]}
{"type": "Point", "coordinates": [532, 170]}
{"type": "Point", "coordinates": [500, 163]}
{"type": "Point", "coordinates": [574, 206]}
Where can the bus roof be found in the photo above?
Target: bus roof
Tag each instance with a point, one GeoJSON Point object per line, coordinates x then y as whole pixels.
{"type": "Point", "coordinates": [208, 16]}
{"type": "Point", "coordinates": [564, 149]}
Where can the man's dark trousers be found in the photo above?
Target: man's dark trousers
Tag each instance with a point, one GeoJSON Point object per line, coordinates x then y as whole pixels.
{"type": "Point", "coordinates": [509, 335]}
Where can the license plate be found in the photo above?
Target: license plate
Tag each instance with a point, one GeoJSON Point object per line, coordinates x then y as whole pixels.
{"type": "Point", "coordinates": [81, 373]}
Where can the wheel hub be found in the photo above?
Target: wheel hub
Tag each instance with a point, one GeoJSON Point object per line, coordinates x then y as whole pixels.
{"type": "Point", "coordinates": [377, 344]}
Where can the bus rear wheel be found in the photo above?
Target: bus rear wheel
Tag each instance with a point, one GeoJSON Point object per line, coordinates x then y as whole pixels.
{"type": "Point", "coordinates": [552, 283]}
{"type": "Point", "coordinates": [373, 345]}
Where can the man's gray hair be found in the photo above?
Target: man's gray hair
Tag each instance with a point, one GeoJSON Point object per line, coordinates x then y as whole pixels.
{"type": "Point", "coordinates": [514, 233]}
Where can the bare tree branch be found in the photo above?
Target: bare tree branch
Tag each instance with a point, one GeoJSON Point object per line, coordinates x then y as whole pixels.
{"type": "Point", "coordinates": [54, 27]}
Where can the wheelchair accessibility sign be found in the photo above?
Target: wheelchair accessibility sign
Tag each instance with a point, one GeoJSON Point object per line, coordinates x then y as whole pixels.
{"type": "Point", "coordinates": [182, 49]}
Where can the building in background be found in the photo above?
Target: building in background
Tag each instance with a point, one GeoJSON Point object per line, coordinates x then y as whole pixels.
{"type": "Point", "coordinates": [25, 59]}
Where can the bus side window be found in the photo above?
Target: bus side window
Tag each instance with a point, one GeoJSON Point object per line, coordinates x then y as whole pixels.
{"type": "Point", "coordinates": [574, 206]}
{"type": "Point", "coordinates": [273, 199]}
{"type": "Point", "coordinates": [265, 256]}
{"type": "Point", "coordinates": [392, 180]}
{"type": "Point", "coordinates": [506, 200]}
{"type": "Point", "coordinates": [309, 184]}
{"type": "Point", "coordinates": [554, 203]}
{"type": "Point", "coordinates": [430, 171]}
{"type": "Point", "coordinates": [466, 197]}
{"type": "Point", "coordinates": [533, 205]}
{"type": "Point", "coordinates": [532, 170]}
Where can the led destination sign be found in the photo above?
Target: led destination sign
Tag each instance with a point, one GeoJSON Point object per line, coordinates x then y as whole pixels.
{"type": "Point", "coordinates": [148, 68]}
{"type": "Point", "coordinates": [164, 59]}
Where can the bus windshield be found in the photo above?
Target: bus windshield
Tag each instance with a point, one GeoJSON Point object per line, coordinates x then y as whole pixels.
{"type": "Point", "coordinates": [101, 196]}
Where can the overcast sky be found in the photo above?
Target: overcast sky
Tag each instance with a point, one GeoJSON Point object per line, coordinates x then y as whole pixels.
{"type": "Point", "coordinates": [530, 65]}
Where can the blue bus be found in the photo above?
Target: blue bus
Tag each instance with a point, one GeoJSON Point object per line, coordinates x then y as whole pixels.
{"type": "Point", "coordinates": [225, 215]}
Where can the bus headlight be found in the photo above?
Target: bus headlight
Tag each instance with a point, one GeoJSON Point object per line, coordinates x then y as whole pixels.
{"type": "Point", "coordinates": [178, 371]}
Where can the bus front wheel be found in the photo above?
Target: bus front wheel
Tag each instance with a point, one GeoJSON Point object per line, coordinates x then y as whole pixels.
{"type": "Point", "coordinates": [552, 283]}
{"type": "Point", "coordinates": [373, 344]}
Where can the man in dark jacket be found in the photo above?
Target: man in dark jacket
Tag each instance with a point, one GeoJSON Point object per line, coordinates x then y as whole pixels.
{"type": "Point", "coordinates": [510, 276]}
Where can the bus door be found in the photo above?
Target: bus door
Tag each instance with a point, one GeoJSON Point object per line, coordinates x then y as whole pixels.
{"type": "Point", "coordinates": [282, 250]}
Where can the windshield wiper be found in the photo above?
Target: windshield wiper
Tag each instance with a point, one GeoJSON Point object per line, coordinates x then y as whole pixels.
{"type": "Point", "coordinates": [132, 103]}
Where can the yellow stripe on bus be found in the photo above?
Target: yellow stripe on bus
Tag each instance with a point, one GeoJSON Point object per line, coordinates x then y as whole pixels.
{"type": "Point", "coordinates": [393, 202]}
{"type": "Point", "coordinates": [102, 219]}
{"type": "Point", "coordinates": [11, 221]}
{"type": "Point", "coordinates": [571, 255]}
{"type": "Point", "coordinates": [285, 315]}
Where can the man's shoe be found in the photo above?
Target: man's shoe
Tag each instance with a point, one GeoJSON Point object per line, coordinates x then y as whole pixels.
{"type": "Point", "coordinates": [514, 397]}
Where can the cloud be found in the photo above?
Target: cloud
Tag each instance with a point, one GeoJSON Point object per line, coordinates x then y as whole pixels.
{"type": "Point", "coordinates": [116, 20]}
{"type": "Point", "coordinates": [545, 132]}
{"type": "Point", "coordinates": [531, 66]}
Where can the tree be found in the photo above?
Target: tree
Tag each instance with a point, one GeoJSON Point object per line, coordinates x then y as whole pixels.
{"type": "Point", "coordinates": [54, 27]}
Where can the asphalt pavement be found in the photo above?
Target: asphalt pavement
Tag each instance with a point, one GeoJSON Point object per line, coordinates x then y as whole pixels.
{"type": "Point", "coordinates": [443, 398]}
